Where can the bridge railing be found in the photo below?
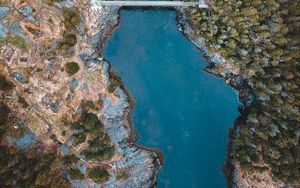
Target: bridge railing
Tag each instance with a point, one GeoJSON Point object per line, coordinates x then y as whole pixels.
{"type": "Point", "coordinates": [200, 3]}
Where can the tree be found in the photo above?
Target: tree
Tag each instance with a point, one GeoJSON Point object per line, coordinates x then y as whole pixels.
{"type": "Point", "coordinates": [70, 159]}
{"type": "Point", "coordinates": [98, 175]}
{"type": "Point", "coordinates": [90, 121]}
{"type": "Point", "coordinates": [72, 19]}
{"type": "Point", "coordinates": [72, 68]}
{"type": "Point", "coordinates": [75, 174]}
{"type": "Point", "coordinates": [5, 84]}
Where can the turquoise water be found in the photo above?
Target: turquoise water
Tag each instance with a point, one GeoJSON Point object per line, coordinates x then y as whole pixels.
{"type": "Point", "coordinates": [179, 108]}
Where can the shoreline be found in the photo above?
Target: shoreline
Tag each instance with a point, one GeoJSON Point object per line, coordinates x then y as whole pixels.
{"type": "Point", "coordinates": [134, 135]}
{"type": "Point", "coordinates": [242, 89]}
{"type": "Point", "coordinates": [239, 84]}
{"type": "Point", "coordinates": [235, 82]}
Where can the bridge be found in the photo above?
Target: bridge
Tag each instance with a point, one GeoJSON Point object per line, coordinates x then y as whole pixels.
{"type": "Point", "coordinates": [124, 3]}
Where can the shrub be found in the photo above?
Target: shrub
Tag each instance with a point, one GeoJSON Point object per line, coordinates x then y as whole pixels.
{"type": "Point", "coordinates": [75, 174]}
{"type": "Point", "coordinates": [5, 84]}
{"type": "Point", "coordinates": [70, 159]}
{"type": "Point", "coordinates": [72, 19]}
{"type": "Point", "coordinates": [114, 84]}
{"type": "Point", "coordinates": [22, 101]}
{"type": "Point", "coordinates": [32, 30]}
{"type": "Point", "coordinates": [51, 2]}
{"type": "Point", "coordinates": [99, 150]}
{"type": "Point", "coordinates": [89, 104]}
{"type": "Point", "coordinates": [72, 68]}
{"type": "Point", "coordinates": [98, 175]}
{"type": "Point", "coordinates": [90, 121]}
{"type": "Point", "coordinates": [70, 39]}
{"type": "Point", "coordinates": [4, 112]}
{"type": "Point", "coordinates": [18, 42]}
{"type": "Point", "coordinates": [79, 138]}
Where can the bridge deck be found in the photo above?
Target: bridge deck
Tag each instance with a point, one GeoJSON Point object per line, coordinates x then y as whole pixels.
{"type": "Point", "coordinates": [154, 3]}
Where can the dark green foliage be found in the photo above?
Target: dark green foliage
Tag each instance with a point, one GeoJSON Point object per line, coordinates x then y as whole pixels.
{"type": "Point", "coordinates": [261, 39]}
{"type": "Point", "coordinates": [114, 84]}
{"type": "Point", "coordinates": [30, 169]}
{"type": "Point", "coordinates": [72, 68]}
{"type": "Point", "coordinates": [79, 138]}
{"type": "Point", "coordinates": [70, 159]}
{"type": "Point", "coordinates": [5, 84]}
{"type": "Point", "coordinates": [68, 42]}
{"type": "Point", "coordinates": [4, 112]}
{"type": "Point", "coordinates": [4, 156]}
{"type": "Point", "coordinates": [75, 174]}
{"type": "Point", "coordinates": [72, 19]}
{"type": "Point", "coordinates": [88, 104]}
{"type": "Point", "coordinates": [100, 146]}
{"type": "Point", "coordinates": [22, 102]}
{"type": "Point", "coordinates": [98, 175]}
{"type": "Point", "coordinates": [70, 39]}
{"type": "Point", "coordinates": [100, 149]}
{"type": "Point", "coordinates": [90, 121]}
{"type": "Point", "coordinates": [76, 126]}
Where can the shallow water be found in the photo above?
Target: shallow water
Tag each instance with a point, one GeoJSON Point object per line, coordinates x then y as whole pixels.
{"type": "Point", "coordinates": [179, 109]}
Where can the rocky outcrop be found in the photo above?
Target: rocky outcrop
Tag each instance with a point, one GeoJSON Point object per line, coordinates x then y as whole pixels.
{"type": "Point", "coordinates": [50, 100]}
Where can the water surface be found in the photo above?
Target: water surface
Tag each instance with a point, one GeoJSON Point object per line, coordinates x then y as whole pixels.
{"type": "Point", "coordinates": [179, 109]}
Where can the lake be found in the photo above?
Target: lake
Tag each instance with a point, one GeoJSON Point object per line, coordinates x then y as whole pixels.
{"type": "Point", "coordinates": [180, 109]}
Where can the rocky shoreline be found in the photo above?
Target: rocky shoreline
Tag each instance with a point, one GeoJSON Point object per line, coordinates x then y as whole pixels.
{"type": "Point", "coordinates": [217, 66]}
{"type": "Point", "coordinates": [56, 101]}
{"type": "Point", "coordinates": [246, 95]}
{"type": "Point", "coordinates": [145, 162]}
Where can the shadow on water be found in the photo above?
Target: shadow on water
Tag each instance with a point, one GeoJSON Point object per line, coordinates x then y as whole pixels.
{"type": "Point", "coordinates": [179, 108]}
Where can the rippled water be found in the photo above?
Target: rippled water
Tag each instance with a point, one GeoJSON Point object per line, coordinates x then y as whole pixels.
{"type": "Point", "coordinates": [179, 108]}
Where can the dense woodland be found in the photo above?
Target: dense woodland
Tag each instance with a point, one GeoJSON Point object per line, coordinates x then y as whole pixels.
{"type": "Point", "coordinates": [262, 39]}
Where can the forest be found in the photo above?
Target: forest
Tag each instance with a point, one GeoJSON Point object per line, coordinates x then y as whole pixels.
{"type": "Point", "coordinates": [261, 39]}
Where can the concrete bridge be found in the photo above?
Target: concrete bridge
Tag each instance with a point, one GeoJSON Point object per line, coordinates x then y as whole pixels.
{"type": "Point", "coordinates": [200, 3]}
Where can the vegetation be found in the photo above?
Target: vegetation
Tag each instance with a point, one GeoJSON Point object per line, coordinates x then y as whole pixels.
{"type": "Point", "coordinates": [68, 41]}
{"type": "Point", "coordinates": [122, 173]}
{"type": "Point", "coordinates": [72, 19]}
{"type": "Point", "coordinates": [17, 41]}
{"type": "Point", "coordinates": [261, 39]}
{"type": "Point", "coordinates": [30, 169]}
{"type": "Point", "coordinates": [72, 68]}
{"type": "Point", "coordinates": [100, 146]}
{"type": "Point", "coordinates": [100, 149]}
{"type": "Point", "coordinates": [22, 102]}
{"type": "Point", "coordinates": [69, 160]}
{"type": "Point", "coordinates": [41, 165]}
{"type": "Point", "coordinates": [51, 2]}
{"type": "Point", "coordinates": [32, 30]}
{"type": "Point", "coordinates": [98, 175]}
{"type": "Point", "coordinates": [75, 174]}
{"type": "Point", "coordinates": [5, 84]}
{"type": "Point", "coordinates": [4, 115]}
{"type": "Point", "coordinates": [114, 84]}
{"type": "Point", "coordinates": [89, 105]}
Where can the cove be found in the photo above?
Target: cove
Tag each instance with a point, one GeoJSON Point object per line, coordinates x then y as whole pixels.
{"type": "Point", "coordinates": [180, 109]}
